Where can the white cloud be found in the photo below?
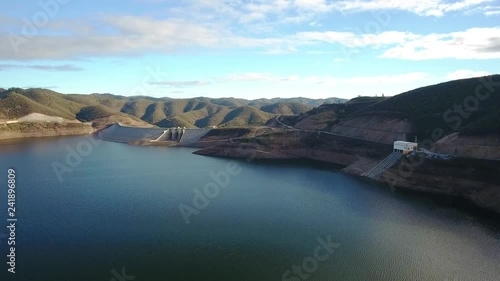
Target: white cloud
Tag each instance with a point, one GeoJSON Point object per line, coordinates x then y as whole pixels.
{"type": "Point", "coordinates": [220, 24]}
{"type": "Point", "coordinates": [62, 68]}
{"type": "Point", "coordinates": [314, 5]}
{"type": "Point", "coordinates": [180, 84]}
{"type": "Point", "coordinates": [315, 24]}
{"type": "Point", "coordinates": [378, 79]}
{"type": "Point", "coordinates": [268, 15]}
{"type": "Point", "coordinates": [327, 85]}
{"type": "Point", "coordinates": [474, 43]}
{"type": "Point", "coordinates": [423, 7]}
{"type": "Point", "coordinates": [356, 40]}
{"type": "Point", "coordinates": [490, 10]}
{"type": "Point", "coordinates": [464, 73]}
{"type": "Point", "coordinates": [248, 11]}
{"type": "Point", "coordinates": [256, 77]}
{"type": "Point", "coordinates": [234, 77]}
{"type": "Point", "coordinates": [434, 8]}
{"type": "Point", "coordinates": [128, 35]}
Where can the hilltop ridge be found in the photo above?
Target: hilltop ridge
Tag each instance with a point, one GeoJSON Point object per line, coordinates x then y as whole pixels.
{"type": "Point", "coordinates": [163, 112]}
{"type": "Point", "coordinates": [466, 107]}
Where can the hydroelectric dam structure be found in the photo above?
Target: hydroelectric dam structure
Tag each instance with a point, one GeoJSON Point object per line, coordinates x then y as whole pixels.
{"type": "Point", "coordinates": [123, 134]}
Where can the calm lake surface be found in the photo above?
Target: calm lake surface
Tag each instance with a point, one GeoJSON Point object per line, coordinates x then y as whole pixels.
{"type": "Point", "coordinates": [118, 212]}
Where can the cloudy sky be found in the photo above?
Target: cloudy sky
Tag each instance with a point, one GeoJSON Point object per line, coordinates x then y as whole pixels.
{"type": "Point", "coordinates": [246, 48]}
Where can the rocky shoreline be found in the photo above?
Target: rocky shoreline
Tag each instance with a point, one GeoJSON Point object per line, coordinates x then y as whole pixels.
{"type": "Point", "coordinates": [475, 180]}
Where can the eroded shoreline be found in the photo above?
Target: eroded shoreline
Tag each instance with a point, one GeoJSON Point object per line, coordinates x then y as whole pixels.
{"type": "Point", "coordinates": [474, 180]}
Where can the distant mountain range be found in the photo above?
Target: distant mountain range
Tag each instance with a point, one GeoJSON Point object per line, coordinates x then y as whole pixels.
{"type": "Point", "coordinates": [470, 106]}
{"type": "Point", "coordinates": [163, 112]}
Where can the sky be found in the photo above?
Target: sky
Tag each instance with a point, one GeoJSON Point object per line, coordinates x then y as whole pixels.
{"type": "Point", "coordinates": [246, 48]}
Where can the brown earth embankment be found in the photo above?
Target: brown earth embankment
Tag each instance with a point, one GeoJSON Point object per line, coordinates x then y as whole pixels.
{"type": "Point", "coordinates": [39, 129]}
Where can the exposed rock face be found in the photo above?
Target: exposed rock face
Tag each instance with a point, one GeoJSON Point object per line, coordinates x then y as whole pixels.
{"type": "Point", "coordinates": [482, 147]}
{"type": "Point", "coordinates": [322, 121]}
{"type": "Point", "coordinates": [472, 179]}
{"type": "Point", "coordinates": [285, 144]}
{"type": "Point", "coordinates": [374, 127]}
{"type": "Point", "coordinates": [37, 117]}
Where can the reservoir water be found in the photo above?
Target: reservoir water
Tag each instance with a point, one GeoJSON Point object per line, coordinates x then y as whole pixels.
{"type": "Point", "coordinates": [113, 214]}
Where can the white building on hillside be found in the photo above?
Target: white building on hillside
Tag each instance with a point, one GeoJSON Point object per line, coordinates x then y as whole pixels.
{"type": "Point", "coordinates": [405, 147]}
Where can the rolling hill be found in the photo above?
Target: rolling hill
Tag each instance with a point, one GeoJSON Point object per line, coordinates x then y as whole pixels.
{"type": "Point", "coordinates": [286, 108]}
{"type": "Point", "coordinates": [466, 106]}
{"type": "Point", "coordinates": [101, 109]}
{"type": "Point", "coordinates": [429, 112]}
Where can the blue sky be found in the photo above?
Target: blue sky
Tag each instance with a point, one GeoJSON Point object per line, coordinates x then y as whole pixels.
{"type": "Point", "coordinates": [246, 48]}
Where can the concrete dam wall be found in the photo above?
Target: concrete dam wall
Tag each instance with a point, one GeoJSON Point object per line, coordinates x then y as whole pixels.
{"type": "Point", "coordinates": [193, 135]}
{"type": "Point", "coordinates": [119, 133]}
{"type": "Point", "coordinates": [123, 134]}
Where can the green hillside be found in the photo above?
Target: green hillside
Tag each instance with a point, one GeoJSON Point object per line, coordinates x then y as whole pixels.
{"type": "Point", "coordinates": [154, 113]}
{"type": "Point", "coordinates": [175, 122]}
{"type": "Point", "coordinates": [164, 112]}
{"type": "Point", "coordinates": [244, 116]}
{"type": "Point", "coordinates": [214, 119]}
{"type": "Point", "coordinates": [284, 108]}
{"type": "Point", "coordinates": [137, 107]}
{"type": "Point", "coordinates": [89, 113]}
{"type": "Point", "coordinates": [304, 101]}
{"type": "Point", "coordinates": [14, 104]}
{"type": "Point", "coordinates": [452, 106]}
{"type": "Point", "coordinates": [55, 101]}
{"type": "Point", "coordinates": [427, 108]}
